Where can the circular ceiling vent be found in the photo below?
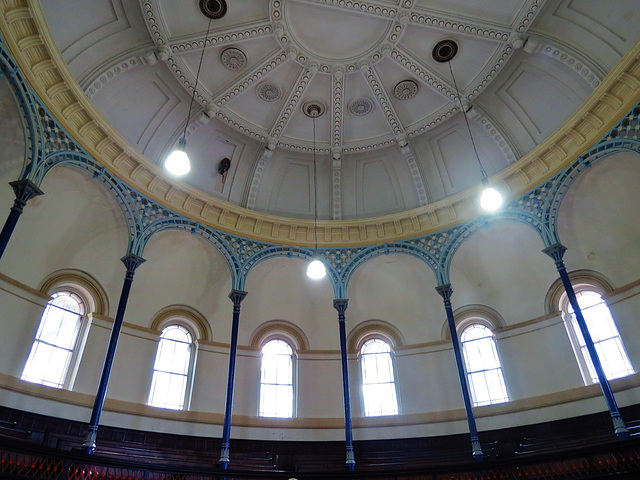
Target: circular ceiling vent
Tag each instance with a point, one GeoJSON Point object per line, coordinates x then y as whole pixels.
{"type": "Point", "coordinates": [444, 51]}
{"type": "Point", "coordinates": [213, 9]}
{"type": "Point", "coordinates": [361, 107]}
{"type": "Point", "coordinates": [313, 108]}
{"type": "Point", "coordinates": [269, 92]}
{"type": "Point", "coordinates": [406, 89]}
{"type": "Point", "coordinates": [233, 58]}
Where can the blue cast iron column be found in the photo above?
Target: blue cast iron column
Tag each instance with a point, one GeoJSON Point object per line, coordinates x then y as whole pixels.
{"type": "Point", "coordinates": [24, 190]}
{"type": "Point", "coordinates": [236, 297]}
{"type": "Point", "coordinates": [341, 304]}
{"type": "Point", "coordinates": [556, 252]}
{"type": "Point", "coordinates": [445, 292]}
{"type": "Point", "coordinates": [132, 262]}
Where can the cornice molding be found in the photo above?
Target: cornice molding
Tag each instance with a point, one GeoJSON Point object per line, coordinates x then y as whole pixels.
{"type": "Point", "coordinates": [24, 29]}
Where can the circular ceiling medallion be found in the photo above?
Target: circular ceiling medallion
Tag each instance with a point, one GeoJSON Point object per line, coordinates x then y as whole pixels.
{"type": "Point", "coordinates": [313, 108]}
{"type": "Point", "coordinates": [233, 58]}
{"type": "Point", "coordinates": [406, 89]}
{"type": "Point", "coordinates": [361, 106]}
{"type": "Point", "coordinates": [444, 51]}
{"type": "Point", "coordinates": [269, 92]}
{"type": "Point", "coordinates": [213, 9]}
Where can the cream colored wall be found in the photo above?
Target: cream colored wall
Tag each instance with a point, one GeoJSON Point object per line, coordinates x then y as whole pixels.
{"type": "Point", "coordinates": [78, 225]}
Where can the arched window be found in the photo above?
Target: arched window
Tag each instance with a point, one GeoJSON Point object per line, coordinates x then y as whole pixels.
{"type": "Point", "coordinates": [378, 379]}
{"type": "Point", "coordinates": [55, 348]}
{"type": "Point", "coordinates": [172, 368]}
{"type": "Point", "coordinates": [276, 380]}
{"type": "Point", "coordinates": [484, 370]}
{"type": "Point", "coordinates": [603, 331]}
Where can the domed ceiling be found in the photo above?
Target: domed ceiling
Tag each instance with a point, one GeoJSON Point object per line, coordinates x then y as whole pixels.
{"type": "Point", "coordinates": [390, 136]}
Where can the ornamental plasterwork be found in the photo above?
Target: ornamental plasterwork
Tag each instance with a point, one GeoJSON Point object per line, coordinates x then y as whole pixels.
{"type": "Point", "coordinates": [397, 18]}
{"type": "Point", "coordinates": [233, 58]}
{"type": "Point", "coordinates": [269, 92]}
{"type": "Point", "coordinates": [24, 29]}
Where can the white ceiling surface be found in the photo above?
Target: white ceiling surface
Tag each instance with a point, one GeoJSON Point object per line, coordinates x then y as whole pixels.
{"type": "Point", "coordinates": [535, 65]}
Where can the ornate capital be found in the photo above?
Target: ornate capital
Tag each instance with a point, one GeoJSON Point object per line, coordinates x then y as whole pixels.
{"type": "Point", "coordinates": [556, 252]}
{"type": "Point", "coordinates": [132, 261]}
{"type": "Point", "coordinates": [24, 190]}
{"type": "Point", "coordinates": [445, 291]}
{"type": "Point", "coordinates": [237, 296]}
{"type": "Point", "coordinates": [341, 304]}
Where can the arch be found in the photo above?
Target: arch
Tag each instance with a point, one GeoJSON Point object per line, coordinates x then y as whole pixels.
{"type": "Point", "coordinates": [30, 107]}
{"type": "Point", "coordinates": [271, 251]}
{"type": "Point", "coordinates": [175, 222]}
{"type": "Point", "coordinates": [192, 318]}
{"type": "Point", "coordinates": [125, 197]}
{"type": "Point", "coordinates": [368, 253]}
{"type": "Point", "coordinates": [78, 280]}
{"type": "Point", "coordinates": [374, 329]}
{"type": "Point", "coordinates": [273, 329]}
{"type": "Point", "coordinates": [581, 276]}
{"type": "Point", "coordinates": [474, 313]}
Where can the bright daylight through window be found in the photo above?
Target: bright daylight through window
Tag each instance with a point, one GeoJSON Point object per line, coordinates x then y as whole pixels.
{"type": "Point", "coordinates": [378, 379]}
{"type": "Point", "coordinates": [171, 369]}
{"type": "Point", "coordinates": [604, 334]}
{"type": "Point", "coordinates": [276, 380]}
{"type": "Point", "coordinates": [52, 350]}
{"type": "Point", "coordinates": [483, 366]}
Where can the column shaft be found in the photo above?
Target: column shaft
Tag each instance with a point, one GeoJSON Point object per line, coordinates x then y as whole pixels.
{"type": "Point", "coordinates": [236, 297]}
{"type": "Point", "coordinates": [556, 252]}
{"type": "Point", "coordinates": [445, 292]}
{"type": "Point", "coordinates": [132, 262]}
{"type": "Point", "coordinates": [24, 191]}
{"type": "Point", "coordinates": [341, 306]}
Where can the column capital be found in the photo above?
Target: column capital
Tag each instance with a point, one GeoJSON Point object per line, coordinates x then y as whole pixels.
{"type": "Point", "coordinates": [132, 261]}
{"type": "Point", "coordinates": [237, 296]}
{"type": "Point", "coordinates": [556, 252]}
{"type": "Point", "coordinates": [341, 304]}
{"type": "Point", "coordinates": [445, 291]}
{"type": "Point", "coordinates": [24, 191]}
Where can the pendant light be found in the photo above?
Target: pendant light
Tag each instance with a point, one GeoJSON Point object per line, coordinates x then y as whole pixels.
{"type": "Point", "coordinates": [490, 199]}
{"type": "Point", "coordinates": [177, 163]}
{"type": "Point", "coordinates": [316, 269]}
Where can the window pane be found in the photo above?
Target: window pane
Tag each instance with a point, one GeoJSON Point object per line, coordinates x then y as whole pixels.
{"type": "Point", "coordinates": [276, 380]}
{"type": "Point", "coordinates": [484, 371]}
{"type": "Point", "coordinates": [604, 333]}
{"type": "Point", "coordinates": [378, 381]}
{"type": "Point", "coordinates": [55, 341]}
{"type": "Point", "coordinates": [171, 368]}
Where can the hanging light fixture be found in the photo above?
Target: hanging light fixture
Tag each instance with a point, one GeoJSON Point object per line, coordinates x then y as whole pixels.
{"type": "Point", "coordinates": [177, 163]}
{"type": "Point", "coordinates": [443, 52]}
{"type": "Point", "coordinates": [316, 269]}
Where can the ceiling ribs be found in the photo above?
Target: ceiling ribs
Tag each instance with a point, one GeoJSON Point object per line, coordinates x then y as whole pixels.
{"type": "Point", "coordinates": [233, 35]}
{"type": "Point", "coordinates": [429, 78]}
{"type": "Point", "coordinates": [295, 95]}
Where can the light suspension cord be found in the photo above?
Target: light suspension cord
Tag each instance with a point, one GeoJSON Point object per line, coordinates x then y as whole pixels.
{"type": "Point", "coordinates": [466, 120]}
{"type": "Point", "coordinates": [315, 189]}
{"type": "Point", "coordinates": [193, 96]}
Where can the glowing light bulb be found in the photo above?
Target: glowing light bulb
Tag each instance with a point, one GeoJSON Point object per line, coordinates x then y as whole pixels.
{"type": "Point", "coordinates": [316, 270]}
{"type": "Point", "coordinates": [177, 163]}
{"type": "Point", "coordinates": [490, 199]}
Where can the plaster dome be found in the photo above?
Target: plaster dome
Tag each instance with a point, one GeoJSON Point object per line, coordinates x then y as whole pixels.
{"type": "Point", "coordinates": [391, 138]}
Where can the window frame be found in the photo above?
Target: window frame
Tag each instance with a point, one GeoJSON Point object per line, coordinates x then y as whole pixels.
{"type": "Point", "coordinates": [572, 332]}
{"type": "Point", "coordinates": [392, 356]}
{"type": "Point", "coordinates": [193, 350]}
{"type": "Point", "coordinates": [461, 327]}
{"type": "Point", "coordinates": [294, 374]}
{"type": "Point", "coordinates": [87, 305]}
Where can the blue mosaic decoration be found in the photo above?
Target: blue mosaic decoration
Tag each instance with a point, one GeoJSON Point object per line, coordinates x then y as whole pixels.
{"type": "Point", "coordinates": [49, 145]}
